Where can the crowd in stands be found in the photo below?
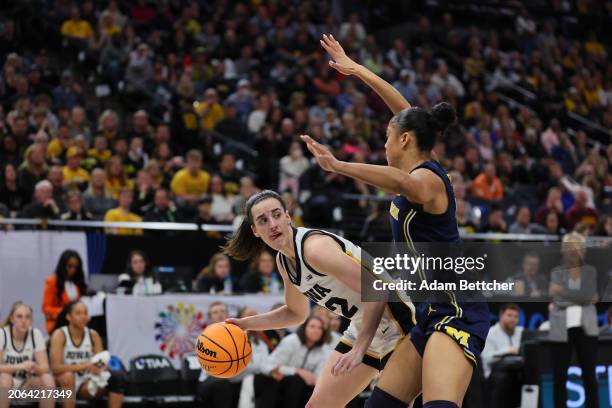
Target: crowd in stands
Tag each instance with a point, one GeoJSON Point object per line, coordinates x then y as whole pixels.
{"type": "Point", "coordinates": [179, 111]}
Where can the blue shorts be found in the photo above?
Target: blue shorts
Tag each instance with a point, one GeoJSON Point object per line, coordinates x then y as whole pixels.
{"type": "Point", "coordinates": [466, 323]}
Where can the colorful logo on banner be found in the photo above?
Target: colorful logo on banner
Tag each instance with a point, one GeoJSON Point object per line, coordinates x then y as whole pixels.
{"type": "Point", "coordinates": [178, 328]}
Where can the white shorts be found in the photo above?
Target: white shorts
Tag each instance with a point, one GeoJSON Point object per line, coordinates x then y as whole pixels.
{"type": "Point", "coordinates": [396, 323]}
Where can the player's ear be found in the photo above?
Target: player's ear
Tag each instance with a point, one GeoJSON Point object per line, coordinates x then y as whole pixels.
{"type": "Point", "coordinates": [254, 229]}
{"type": "Point", "coordinates": [406, 138]}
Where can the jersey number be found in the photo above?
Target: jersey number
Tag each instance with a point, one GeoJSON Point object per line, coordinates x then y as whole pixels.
{"type": "Point", "coordinates": [333, 302]}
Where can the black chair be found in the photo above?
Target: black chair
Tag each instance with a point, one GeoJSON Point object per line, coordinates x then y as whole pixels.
{"type": "Point", "coordinates": [190, 373]}
{"type": "Point", "coordinates": [153, 375]}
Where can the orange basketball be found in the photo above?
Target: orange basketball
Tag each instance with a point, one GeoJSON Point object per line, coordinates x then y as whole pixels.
{"type": "Point", "coordinates": [223, 350]}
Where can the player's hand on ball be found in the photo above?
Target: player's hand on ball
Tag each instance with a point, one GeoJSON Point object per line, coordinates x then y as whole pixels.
{"type": "Point", "coordinates": [324, 157]}
{"type": "Point", "coordinates": [346, 362]}
{"type": "Point", "coordinates": [340, 61]}
{"type": "Point", "coordinates": [234, 321]}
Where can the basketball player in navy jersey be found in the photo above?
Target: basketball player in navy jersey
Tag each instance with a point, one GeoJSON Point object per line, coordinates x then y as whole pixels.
{"type": "Point", "coordinates": [325, 268]}
{"type": "Point", "coordinates": [449, 335]}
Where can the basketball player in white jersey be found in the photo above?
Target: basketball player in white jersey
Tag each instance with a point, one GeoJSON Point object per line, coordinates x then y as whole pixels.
{"type": "Point", "coordinates": [72, 348]}
{"type": "Point", "coordinates": [23, 356]}
{"type": "Point", "coordinates": [326, 269]}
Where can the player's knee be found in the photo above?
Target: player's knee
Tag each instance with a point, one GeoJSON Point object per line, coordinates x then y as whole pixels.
{"type": "Point", "coordinates": [440, 404]}
{"type": "Point", "coordinates": [381, 398]}
{"type": "Point", "coordinates": [6, 380]}
{"type": "Point", "coordinates": [47, 381]}
{"type": "Point", "coordinates": [117, 383]}
{"type": "Point", "coordinates": [66, 380]}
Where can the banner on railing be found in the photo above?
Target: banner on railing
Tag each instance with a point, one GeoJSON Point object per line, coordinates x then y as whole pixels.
{"type": "Point", "coordinates": [167, 324]}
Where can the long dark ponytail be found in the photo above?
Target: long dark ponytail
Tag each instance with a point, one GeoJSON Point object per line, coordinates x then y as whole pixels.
{"type": "Point", "coordinates": [426, 125]}
{"type": "Point", "coordinates": [244, 245]}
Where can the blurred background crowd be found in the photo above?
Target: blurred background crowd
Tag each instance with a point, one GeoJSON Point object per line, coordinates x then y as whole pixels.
{"type": "Point", "coordinates": [179, 110]}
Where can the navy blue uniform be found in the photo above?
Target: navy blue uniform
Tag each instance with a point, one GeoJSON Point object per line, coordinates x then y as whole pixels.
{"type": "Point", "coordinates": [467, 323]}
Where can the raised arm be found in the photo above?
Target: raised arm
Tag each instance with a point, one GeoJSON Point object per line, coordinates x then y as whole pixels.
{"type": "Point", "coordinates": [420, 186]}
{"type": "Point", "coordinates": [293, 313]}
{"type": "Point", "coordinates": [343, 64]}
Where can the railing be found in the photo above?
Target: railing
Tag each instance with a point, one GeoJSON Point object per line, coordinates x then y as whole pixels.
{"type": "Point", "coordinates": [178, 226]}
{"type": "Point", "coordinates": [159, 226]}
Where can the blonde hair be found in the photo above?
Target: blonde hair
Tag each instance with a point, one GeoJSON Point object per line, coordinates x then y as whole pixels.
{"type": "Point", "coordinates": [19, 303]}
{"type": "Point", "coordinates": [574, 241]}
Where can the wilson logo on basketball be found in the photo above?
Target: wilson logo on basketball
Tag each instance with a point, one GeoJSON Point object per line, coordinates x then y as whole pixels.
{"type": "Point", "coordinates": [206, 351]}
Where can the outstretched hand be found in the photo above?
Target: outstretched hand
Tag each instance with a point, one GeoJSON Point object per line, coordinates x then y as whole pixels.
{"type": "Point", "coordinates": [324, 157]}
{"type": "Point", "coordinates": [339, 60]}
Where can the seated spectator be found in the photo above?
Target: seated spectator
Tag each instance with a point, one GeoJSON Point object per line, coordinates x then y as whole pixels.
{"type": "Point", "coordinates": [123, 214]}
{"type": "Point", "coordinates": [144, 192]}
{"type": "Point", "coordinates": [97, 200]}
{"type": "Point", "coordinates": [216, 276]}
{"type": "Point", "coordinates": [217, 312]}
{"type": "Point", "coordinates": [495, 221]}
{"type": "Point", "coordinates": [487, 186]}
{"type": "Point", "coordinates": [33, 169]}
{"type": "Point", "coordinates": [291, 169]}
{"type": "Point", "coordinates": [68, 93]}
{"type": "Point", "coordinates": [291, 371]}
{"type": "Point", "coordinates": [553, 224]}
{"type": "Point", "coordinates": [294, 209]}
{"type": "Point", "coordinates": [262, 276]}
{"type": "Point", "coordinates": [604, 227]}
{"type": "Point", "coordinates": [580, 212]}
{"type": "Point", "coordinates": [75, 212]}
{"type": "Point", "coordinates": [138, 278]}
{"type": "Point", "coordinates": [523, 224]}
{"type": "Point", "coordinates": [72, 348]}
{"type": "Point", "coordinates": [221, 209]}
{"type": "Point", "coordinates": [24, 364]}
{"type": "Point", "coordinates": [230, 175]}
{"type": "Point", "coordinates": [504, 339]}
{"type": "Point", "coordinates": [56, 178]}
{"type": "Point", "coordinates": [43, 206]}
{"type": "Point", "coordinates": [66, 285]}
{"type": "Point", "coordinates": [116, 178]}
{"type": "Point", "coordinates": [529, 282]}
{"type": "Point", "coordinates": [209, 109]}
{"type": "Point", "coordinates": [162, 210]}
{"type": "Point", "coordinates": [74, 175]}
{"type": "Point", "coordinates": [77, 28]}
{"type": "Point", "coordinates": [553, 204]}
{"type": "Point", "coordinates": [11, 194]}
{"type": "Point", "coordinates": [191, 182]}
{"type": "Point", "coordinates": [99, 153]}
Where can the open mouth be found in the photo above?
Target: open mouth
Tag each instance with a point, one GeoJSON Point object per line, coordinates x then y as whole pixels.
{"type": "Point", "coordinates": [276, 235]}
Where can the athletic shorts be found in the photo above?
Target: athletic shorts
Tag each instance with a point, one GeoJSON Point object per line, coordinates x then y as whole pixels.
{"type": "Point", "coordinates": [466, 323]}
{"type": "Point", "coordinates": [397, 323]}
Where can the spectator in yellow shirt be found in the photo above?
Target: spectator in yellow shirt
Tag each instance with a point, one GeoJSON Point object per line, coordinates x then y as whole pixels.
{"type": "Point", "coordinates": [77, 28]}
{"type": "Point", "coordinates": [209, 109]}
{"type": "Point", "coordinates": [190, 183]}
{"type": "Point", "coordinates": [123, 214]}
{"type": "Point", "coordinates": [58, 145]}
{"type": "Point", "coordinates": [115, 177]}
{"type": "Point", "coordinates": [74, 174]}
